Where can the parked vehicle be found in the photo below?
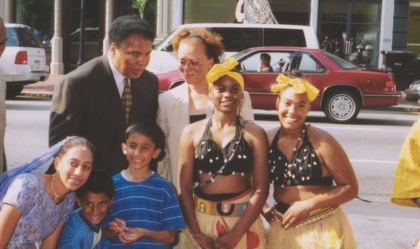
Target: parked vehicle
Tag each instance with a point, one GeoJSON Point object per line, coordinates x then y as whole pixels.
{"type": "Point", "coordinates": [344, 88]}
{"type": "Point", "coordinates": [23, 61]}
{"type": "Point", "coordinates": [236, 37]}
{"type": "Point", "coordinates": [413, 91]}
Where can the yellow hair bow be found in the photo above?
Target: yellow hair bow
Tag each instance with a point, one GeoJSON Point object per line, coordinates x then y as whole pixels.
{"type": "Point", "coordinates": [219, 70]}
{"type": "Point", "coordinates": [299, 86]}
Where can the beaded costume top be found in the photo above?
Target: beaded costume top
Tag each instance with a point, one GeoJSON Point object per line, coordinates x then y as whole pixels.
{"type": "Point", "coordinates": [237, 154]}
{"type": "Point", "coordinates": [303, 169]}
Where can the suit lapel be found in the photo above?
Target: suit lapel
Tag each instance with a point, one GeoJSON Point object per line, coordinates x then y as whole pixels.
{"type": "Point", "coordinates": [183, 111]}
{"type": "Point", "coordinates": [112, 99]}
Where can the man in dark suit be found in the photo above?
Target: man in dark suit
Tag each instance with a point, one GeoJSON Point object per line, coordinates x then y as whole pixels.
{"type": "Point", "coordinates": [91, 101]}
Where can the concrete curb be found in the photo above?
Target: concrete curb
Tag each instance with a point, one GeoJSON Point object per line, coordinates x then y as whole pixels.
{"type": "Point", "coordinates": [36, 94]}
{"type": "Point", "coordinates": [405, 107]}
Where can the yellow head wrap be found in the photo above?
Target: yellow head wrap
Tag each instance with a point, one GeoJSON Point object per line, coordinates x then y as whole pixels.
{"type": "Point", "coordinates": [219, 70]}
{"type": "Point", "coordinates": [299, 86]}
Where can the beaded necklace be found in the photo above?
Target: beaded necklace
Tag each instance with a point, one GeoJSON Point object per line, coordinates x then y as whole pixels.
{"type": "Point", "coordinates": [298, 142]}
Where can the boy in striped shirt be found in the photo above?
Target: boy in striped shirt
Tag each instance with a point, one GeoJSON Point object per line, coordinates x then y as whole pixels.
{"type": "Point", "coordinates": [146, 212]}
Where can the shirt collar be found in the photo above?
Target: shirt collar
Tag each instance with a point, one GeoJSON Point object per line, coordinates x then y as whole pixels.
{"type": "Point", "coordinates": [118, 77]}
{"type": "Point", "coordinates": [93, 227]}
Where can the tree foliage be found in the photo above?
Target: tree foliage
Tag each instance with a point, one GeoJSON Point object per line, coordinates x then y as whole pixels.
{"type": "Point", "coordinates": [140, 5]}
{"type": "Point", "coordinates": [147, 9]}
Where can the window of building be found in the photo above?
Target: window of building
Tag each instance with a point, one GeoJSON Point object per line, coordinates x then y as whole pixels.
{"type": "Point", "coordinates": [413, 42]}
{"type": "Point", "coordinates": [291, 12]}
{"type": "Point", "coordinates": [37, 15]}
{"type": "Point", "coordinates": [350, 29]}
{"type": "Point", "coordinates": [215, 11]}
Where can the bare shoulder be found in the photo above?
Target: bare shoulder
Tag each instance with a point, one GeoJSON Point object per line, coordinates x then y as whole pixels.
{"type": "Point", "coordinates": [253, 128]}
{"type": "Point", "coordinates": [196, 127]}
{"type": "Point", "coordinates": [253, 132]}
{"type": "Point", "coordinates": [193, 133]}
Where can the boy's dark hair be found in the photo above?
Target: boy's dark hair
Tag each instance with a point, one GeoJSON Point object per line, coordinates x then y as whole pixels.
{"type": "Point", "coordinates": [124, 26]}
{"type": "Point", "coordinates": [98, 182]}
{"type": "Point", "coordinates": [151, 130]}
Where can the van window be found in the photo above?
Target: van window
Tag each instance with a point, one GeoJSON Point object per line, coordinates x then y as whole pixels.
{"type": "Point", "coordinates": [284, 37]}
{"type": "Point", "coordinates": [21, 37]}
{"type": "Point", "coordinates": [238, 39]}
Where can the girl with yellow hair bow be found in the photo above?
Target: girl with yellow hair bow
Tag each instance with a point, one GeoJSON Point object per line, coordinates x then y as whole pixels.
{"type": "Point", "coordinates": [304, 163]}
{"type": "Point", "coordinates": [220, 155]}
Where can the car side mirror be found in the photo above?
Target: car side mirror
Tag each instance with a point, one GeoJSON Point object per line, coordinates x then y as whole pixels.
{"type": "Point", "coordinates": [168, 47]}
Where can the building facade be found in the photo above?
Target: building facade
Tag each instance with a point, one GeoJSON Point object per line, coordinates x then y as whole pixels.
{"type": "Point", "coordinates": [361, 31]}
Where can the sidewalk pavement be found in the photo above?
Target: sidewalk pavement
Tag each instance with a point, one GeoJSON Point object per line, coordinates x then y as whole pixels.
{"type": "Point", "coordinates": [45, 89]}
{"type": "Point", "coordinates": [42, 88]}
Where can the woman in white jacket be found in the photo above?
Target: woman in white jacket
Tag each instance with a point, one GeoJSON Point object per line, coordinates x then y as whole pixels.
{"type": "Point", "coordinates": [197, 51]}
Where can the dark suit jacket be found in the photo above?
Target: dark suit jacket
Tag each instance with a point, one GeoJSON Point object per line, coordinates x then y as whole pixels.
{"type": "Point", "coordinates": [87, 103]}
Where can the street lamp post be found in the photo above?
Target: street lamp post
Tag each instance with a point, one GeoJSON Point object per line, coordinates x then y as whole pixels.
{"type": "Point", "coordinates": [81, 33]}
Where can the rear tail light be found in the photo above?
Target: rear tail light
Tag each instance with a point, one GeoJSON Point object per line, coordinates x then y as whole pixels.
{"type": "Point", "coordinates": [21, 58]}
{"type": "Point", "coordinates": [390, 86]}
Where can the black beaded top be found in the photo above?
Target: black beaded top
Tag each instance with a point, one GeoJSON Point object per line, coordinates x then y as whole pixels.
{"type": "Point", "coordinates": [209, 158]}
{"type": "Point", "coordinates": [304, 168]}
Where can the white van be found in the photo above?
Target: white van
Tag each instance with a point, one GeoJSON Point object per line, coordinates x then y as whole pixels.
{"type": "Point", "coordinates": [236, 37]}
{"type": "Point", "coordinates": [24, 60]}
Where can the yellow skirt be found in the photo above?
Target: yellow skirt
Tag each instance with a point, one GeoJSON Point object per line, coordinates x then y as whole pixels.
{"type": "Point", "coordinates": [214, 226]}
{"type": "Point", "coordinates": [332, 232]}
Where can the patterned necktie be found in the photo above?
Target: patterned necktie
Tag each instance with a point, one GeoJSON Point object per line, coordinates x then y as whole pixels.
{"type": "Point", "coordinates": [126, 99]}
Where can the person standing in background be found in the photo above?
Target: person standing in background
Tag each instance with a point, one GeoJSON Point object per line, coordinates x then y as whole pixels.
{"type": "Point", "coordinates": [3, 39]}
{"type": "Point", "coordinates": [102, 97]}
{"type": "Point", "coordinates": [254, 11]}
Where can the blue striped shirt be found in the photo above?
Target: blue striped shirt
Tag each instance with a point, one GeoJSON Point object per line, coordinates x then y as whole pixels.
{"type": "Point", "coordinates": [150, 204]}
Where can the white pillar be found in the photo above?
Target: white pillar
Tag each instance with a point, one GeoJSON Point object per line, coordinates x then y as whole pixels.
{"type": "Point", "coordinates": [162, 19]}
{"type": "Point", "coordinates": [314, 15]}
{"type": "Point", "coordinates": [57, 65]}
{"type": "Point", "coordinates": [387, 26]}
{"type": "Point", "coordinates": [5, 9]}
{"type": "Point", "coordinates": [109, 16]}
{"type": "Point", "coordinates": [176, 12]}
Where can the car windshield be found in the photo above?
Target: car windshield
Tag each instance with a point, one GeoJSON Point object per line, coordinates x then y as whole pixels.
{"type": "Point", "coordinates": [239, 55]}
{"type": "Point", "coordinates": [341, 62]}
{"type": "Point", "coordinates": [21, 37]}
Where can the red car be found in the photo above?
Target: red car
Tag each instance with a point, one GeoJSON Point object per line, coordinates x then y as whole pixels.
{"type": "Point", "coordinates": [344, 88]}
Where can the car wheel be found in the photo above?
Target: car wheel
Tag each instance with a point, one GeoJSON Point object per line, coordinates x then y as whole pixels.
{"type": "Point", "coordinates": [341, 106]}
{"type": "Point", "coordinates": [13, 91]}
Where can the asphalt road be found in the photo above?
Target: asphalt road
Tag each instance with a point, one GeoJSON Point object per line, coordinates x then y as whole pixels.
{"type": "Point", "coordinates": [372, 143]}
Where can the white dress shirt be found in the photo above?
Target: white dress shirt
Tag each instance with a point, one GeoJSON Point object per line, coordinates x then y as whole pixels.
{"type": "Point", "coordinates": [118, 77]}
